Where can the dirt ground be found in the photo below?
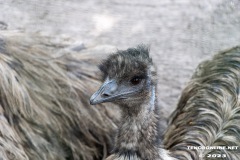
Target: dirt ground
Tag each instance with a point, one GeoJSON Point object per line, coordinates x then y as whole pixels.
{"type": "Point", "coordinates": [181, 33]}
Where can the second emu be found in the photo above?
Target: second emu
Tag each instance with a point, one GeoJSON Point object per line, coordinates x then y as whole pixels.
{"type": "Point", "coordinates": [208, 113]}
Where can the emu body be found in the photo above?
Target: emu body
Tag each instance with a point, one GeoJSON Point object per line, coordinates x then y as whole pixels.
{"type": "Point", "coordinates": [208, 113]}
{"type": "Point", "coordinates": [44, 109]}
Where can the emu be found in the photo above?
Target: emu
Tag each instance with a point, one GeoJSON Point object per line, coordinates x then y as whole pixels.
{"type": "Point", "coordinates": [130, 81]}
{"type": "Point", "coordinates": [44, 108]}
{"type": "Point", "coordinates": [208, 113]}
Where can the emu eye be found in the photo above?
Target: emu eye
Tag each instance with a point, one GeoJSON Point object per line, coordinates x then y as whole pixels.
{"type": "Point", "coordinates": [136, 80]}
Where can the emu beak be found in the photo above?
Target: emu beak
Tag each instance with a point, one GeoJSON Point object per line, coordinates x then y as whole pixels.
{"type": "Point", "coordinates": [106, 93]}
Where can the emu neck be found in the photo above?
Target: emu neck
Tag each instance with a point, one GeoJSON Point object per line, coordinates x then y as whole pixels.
{"type": "Point", "coordinates": [138, 132]}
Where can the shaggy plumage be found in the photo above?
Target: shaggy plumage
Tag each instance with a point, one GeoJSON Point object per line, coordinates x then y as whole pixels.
{"type": "Point", "coordinates": [130, 81]}
{"type": "Point", "coordinates": [44, 108]}
{"type": "Point", "coordinates": [208, 113]}
{"type": "Point", "coordinates": [45, 113]}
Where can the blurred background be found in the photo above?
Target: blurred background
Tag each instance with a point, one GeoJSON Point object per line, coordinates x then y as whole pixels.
{"type": "Point", "coordinates": [180, 33]}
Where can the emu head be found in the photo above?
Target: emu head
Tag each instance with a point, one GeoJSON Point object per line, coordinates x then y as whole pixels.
{"type": "Point", "coordinates": [129, 76]}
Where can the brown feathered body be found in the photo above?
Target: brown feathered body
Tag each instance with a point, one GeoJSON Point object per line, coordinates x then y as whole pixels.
{"type": "Point", "coordinates": [44, 102]}
{"type": "Point", "coordinates": [208, 113]}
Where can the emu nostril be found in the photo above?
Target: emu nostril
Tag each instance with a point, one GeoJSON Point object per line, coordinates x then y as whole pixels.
{"type": "Point", "coordinates": [105, 95]}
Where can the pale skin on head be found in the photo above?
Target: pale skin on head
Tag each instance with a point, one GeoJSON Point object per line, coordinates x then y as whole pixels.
{"type": "Point", "coordinates": [130, 81]}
